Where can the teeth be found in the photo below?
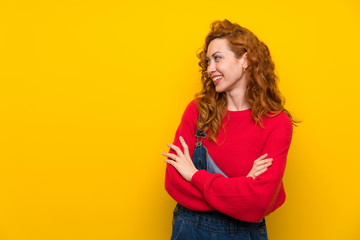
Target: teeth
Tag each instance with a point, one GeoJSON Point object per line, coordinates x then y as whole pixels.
{"type": "Point", "coordinates": [217, 78]}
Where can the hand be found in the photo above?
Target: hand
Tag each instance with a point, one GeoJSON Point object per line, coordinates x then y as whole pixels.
{"type": "Point", "coordinates": [182, 161]}
{"type": "Point", "coordinates": [260, 166]}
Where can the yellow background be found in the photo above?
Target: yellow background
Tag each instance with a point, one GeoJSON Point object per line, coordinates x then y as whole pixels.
{"type": "Point", "coordinates": [91, 91]}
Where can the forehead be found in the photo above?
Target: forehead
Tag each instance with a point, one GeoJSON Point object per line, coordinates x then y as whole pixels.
{"type": "Point", "coordinates": [218, 45]}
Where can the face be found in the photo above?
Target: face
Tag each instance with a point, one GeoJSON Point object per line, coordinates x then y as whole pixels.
{"type": "Point", "coordinates": [224, 68]}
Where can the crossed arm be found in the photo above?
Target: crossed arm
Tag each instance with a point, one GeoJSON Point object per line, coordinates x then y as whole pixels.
{"type": "Point", "coordinates": [247, 198]}
{"type": "Point", "coordinates": [180, 170]}
{"type": "Point", "coordinates": [183, 163]}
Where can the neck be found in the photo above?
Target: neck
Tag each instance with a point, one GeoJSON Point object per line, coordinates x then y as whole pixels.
{"type": "Point", "coordinates": [236, 103]}
{"type": "Point", "coordinates": [236, 99]}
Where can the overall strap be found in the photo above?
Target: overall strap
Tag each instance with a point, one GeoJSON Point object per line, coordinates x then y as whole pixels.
{"type": "Point", "coordinates": [200, 135]}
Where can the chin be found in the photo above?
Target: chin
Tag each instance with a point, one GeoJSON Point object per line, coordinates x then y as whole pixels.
{"type": "Point", "coordinates": [219, 90]}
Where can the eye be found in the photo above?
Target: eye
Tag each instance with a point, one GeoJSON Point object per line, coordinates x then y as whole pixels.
{"type": "Point", "coordinates": [207, 61]}
{"type": "Point", "coordinates": [217, 58]}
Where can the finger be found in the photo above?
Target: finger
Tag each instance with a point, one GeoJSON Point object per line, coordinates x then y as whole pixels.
{"type": "Point", "coordinates": [262, 162]}
{"type": "Point", "coordinates": [261, 157]}
{"type": "Point", "coordinates": [260, 168]}
{"type": "Point", "coordinates": [170, 155]}
{"type": "Point", "coordinates": [171, 162]}
{"type": "Point", "coordinates": [184, 145]}
{"type": "Point", "coordinates": [256, 174]}
{"type": "Point", "coordinates": [175, 148]}
{"type": "Point", "coordinates": [266, 165]}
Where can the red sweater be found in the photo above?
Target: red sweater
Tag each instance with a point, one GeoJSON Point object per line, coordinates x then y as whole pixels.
{"type": "Point", "coordinates": [238, 147]}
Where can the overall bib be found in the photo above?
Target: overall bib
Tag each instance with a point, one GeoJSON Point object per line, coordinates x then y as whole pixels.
{"type": "Point", "coordinates": [189, 224]}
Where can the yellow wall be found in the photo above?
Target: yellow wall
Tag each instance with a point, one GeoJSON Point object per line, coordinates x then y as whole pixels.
{"type": "Point", "coordinates": [91, 91]}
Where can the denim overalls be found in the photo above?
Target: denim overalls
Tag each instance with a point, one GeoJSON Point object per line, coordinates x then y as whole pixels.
{"type": "Point", "coordinates": [189, 224]}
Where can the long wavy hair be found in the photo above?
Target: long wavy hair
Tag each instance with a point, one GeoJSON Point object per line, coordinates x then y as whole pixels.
{"type": "Point", "coordinates": [262, 92]}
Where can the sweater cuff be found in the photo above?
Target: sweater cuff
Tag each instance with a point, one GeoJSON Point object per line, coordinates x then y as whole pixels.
{"type": "Point", "coordinates": [199, 179]}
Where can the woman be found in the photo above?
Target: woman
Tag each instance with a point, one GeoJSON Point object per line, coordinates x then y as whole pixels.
{"type": "Point", "coordinates": [238, 134]}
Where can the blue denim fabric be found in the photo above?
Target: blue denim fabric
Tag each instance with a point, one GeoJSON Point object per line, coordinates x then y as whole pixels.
{"type": "Point", "coordinates": [189, 225]}
{"type": "Point", "coordinates": [201, 157]}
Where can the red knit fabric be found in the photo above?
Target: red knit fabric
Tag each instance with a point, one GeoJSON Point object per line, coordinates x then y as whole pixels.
{"type": "Point", "coordinates": [238, 147]}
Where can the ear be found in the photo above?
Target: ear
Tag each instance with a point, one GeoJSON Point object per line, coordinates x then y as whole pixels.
{"type": "Point", "coordinates": [245, 62]}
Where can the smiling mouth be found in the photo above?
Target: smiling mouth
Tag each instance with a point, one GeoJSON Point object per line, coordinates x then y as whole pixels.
{"type": "Point", "coordinates": [217, 79]}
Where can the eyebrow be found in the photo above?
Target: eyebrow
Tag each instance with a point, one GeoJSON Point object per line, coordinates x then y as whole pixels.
{"type": "Point", "coordinates": [214, 54]}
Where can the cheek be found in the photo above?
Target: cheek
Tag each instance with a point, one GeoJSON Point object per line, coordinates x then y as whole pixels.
{"type": "Point", "coordinates": [221, 68]}
{"type": "Point", "coordinates": [228, 71]}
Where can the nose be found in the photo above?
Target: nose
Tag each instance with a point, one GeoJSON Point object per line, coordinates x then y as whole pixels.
{"type": "Point", "coordinates": [211, 68]}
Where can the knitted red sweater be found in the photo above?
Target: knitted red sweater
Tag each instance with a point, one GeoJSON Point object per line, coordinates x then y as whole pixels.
{"type": "Point", "coordinates": [238, 147]}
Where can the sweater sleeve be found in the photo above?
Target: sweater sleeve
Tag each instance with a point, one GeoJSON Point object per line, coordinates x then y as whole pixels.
{"type": "Point", "coordinates": [177, 187]}
{"type": "Point", "coordinates": [245, 198]}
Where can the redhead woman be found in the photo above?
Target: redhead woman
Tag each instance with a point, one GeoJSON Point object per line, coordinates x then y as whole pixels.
{"type": "Point", "coordinates": [226, 164]}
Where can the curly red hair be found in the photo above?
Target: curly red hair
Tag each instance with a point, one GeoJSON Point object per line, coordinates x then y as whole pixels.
{"type": "Point", "coordinates": [262, 92]}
